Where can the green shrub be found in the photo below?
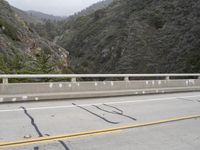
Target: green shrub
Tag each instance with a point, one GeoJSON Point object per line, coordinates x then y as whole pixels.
{"type": "Point", "coordinates": [3, 66]}
{"type": "Point", "coordinates": [156, 21]}
{"type": "Point", "coordinates": [9, 30]}
{"type": "Point", "coordinates": [43, 63]}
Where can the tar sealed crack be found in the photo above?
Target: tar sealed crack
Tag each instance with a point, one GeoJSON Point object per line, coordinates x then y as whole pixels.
{"type": "Point", "coordinates": [36, 148]}
{"type": "Point", "coordinates": [189, 100]}
{"type": "Point", "coordinates": [61, 142]}
{"type": "Point", "coordinates": [117, 111]}
{"type": "Point", "coordinates": [38, 131]}
{"type": "Point", "coordinates": [113, 107]}
{"type": "Point", "coordinates": [103, 118]}
{"type": "Point", "coordinates": [32, 121]}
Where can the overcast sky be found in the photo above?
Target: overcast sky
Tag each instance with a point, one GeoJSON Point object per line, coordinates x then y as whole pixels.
{"type": "Point", "coordinates": [55, 7]}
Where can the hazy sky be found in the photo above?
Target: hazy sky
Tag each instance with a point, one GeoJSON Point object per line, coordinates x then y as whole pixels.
{"type": "Point", "coordinates": [55, 7]}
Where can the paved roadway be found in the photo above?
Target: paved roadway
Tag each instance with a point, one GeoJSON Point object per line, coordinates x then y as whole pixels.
{"type": "Point", "coordinates": [24, 121]}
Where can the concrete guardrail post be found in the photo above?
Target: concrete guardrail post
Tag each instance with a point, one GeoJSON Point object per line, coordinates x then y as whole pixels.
{"type": "Point", "coordinates": [73, 79]}
{"type": "Point", "coordinates": [167, 78]}
{"type": "Point", "coordinates": [5, 80]}
{"type": "Point", "coordinates": [126, 78]}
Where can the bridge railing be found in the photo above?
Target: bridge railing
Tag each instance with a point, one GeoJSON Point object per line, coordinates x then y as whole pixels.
{"type": "Point", "coordinates": [5, 77]}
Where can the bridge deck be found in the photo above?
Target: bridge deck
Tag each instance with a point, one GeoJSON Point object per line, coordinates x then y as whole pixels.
{"type": "Point", "coordinates": [21, 121]}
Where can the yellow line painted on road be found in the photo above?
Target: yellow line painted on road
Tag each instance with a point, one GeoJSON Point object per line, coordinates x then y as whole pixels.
{"type": "Point", "coordinates": [49, 139]}
{"type": "Point", "coordinates": [53, 140]}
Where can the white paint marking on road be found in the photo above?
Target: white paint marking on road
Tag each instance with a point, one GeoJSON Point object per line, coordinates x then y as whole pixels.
{"type": "Point", "coordinates": [91, 104]}
{"type": "Point", "coordinates": [112, 83]}
{"type": "Point", "coordinates": [14, 99]}
{"type": "Point", "coordinates": [51, 85]}
{"type": "Point", "coordinates": [1, 99]}
{"type": "Point", "coordinates": [24, 97]}
{"type": "Point", "coordinates": [192, 81]}
{"type": "Point", "coordinates": [60, 85]}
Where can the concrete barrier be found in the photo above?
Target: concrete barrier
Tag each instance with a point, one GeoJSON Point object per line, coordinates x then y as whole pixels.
{"type": "Point", "coordinates": [12, 92]}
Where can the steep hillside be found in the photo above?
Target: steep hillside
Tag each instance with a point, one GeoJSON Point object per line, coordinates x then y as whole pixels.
{"type": "Point", "coordinates": [52, 27]}
{"type": "Point", "coordinates": [136, 36]}
{"type": "Point", "coordinates": [94, 7]}
{"type": "Point", "coordinates": [23, 50]}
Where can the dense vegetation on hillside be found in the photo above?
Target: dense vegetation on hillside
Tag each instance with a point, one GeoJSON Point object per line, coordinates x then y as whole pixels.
{"type": "Point", "coordinates": [51, 27]}
{"type": "Point", "coordinates": [91, 9]}
{"type": "Point", "coordinates": [22, 50]}
{"type": "Point", "coordinates": [136, 36]}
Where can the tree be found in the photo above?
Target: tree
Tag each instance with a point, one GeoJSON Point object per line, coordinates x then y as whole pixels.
{"type": "Point", "coordinates": [43, 63]}
{"type": "Point", "coordinates": [3, 66]}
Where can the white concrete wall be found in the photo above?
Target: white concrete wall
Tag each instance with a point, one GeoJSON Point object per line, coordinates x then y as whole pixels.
{"type": "Point", "coordinates": [63, 90]}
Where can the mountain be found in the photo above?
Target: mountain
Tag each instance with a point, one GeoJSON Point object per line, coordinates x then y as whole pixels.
{"type": "Point", "coordinates": [26, 17]}
{"type": "Point", "coordinates": [136, 36]}
{"type": "Point", "coordinates": [94, 7]}
{"type": "Point", "coordinates": [22, 50]}
{"type": "Point", "coordinates": [52, 28]}
{"type": "Point", "coordinates": [43, 16]}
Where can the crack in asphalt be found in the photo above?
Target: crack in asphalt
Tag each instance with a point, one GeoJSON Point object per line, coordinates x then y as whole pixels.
{"type": "Point", "coordinates": [106, 120]}
{"type": "Point", "coordinates": [61, 142]}
{"type": "Point", "coordinates": [37, 129]}
{"type": "Point", "coordinates": [32, 121]}
{"type": "Point", "coordinates": [189, 100]}
{"type": "Point", "coordinates": [36, 148]}
{"type": "Point", "coordinates": [114, 107]}
{"type": "Point", "coordinates": [121, 113]}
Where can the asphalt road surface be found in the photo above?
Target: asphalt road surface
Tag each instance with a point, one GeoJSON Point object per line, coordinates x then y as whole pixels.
{"type": "Point", "coordinates": [150, 122]}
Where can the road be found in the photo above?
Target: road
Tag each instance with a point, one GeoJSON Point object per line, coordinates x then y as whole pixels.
{"type": "Point", "coordinates": [167, 121]}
